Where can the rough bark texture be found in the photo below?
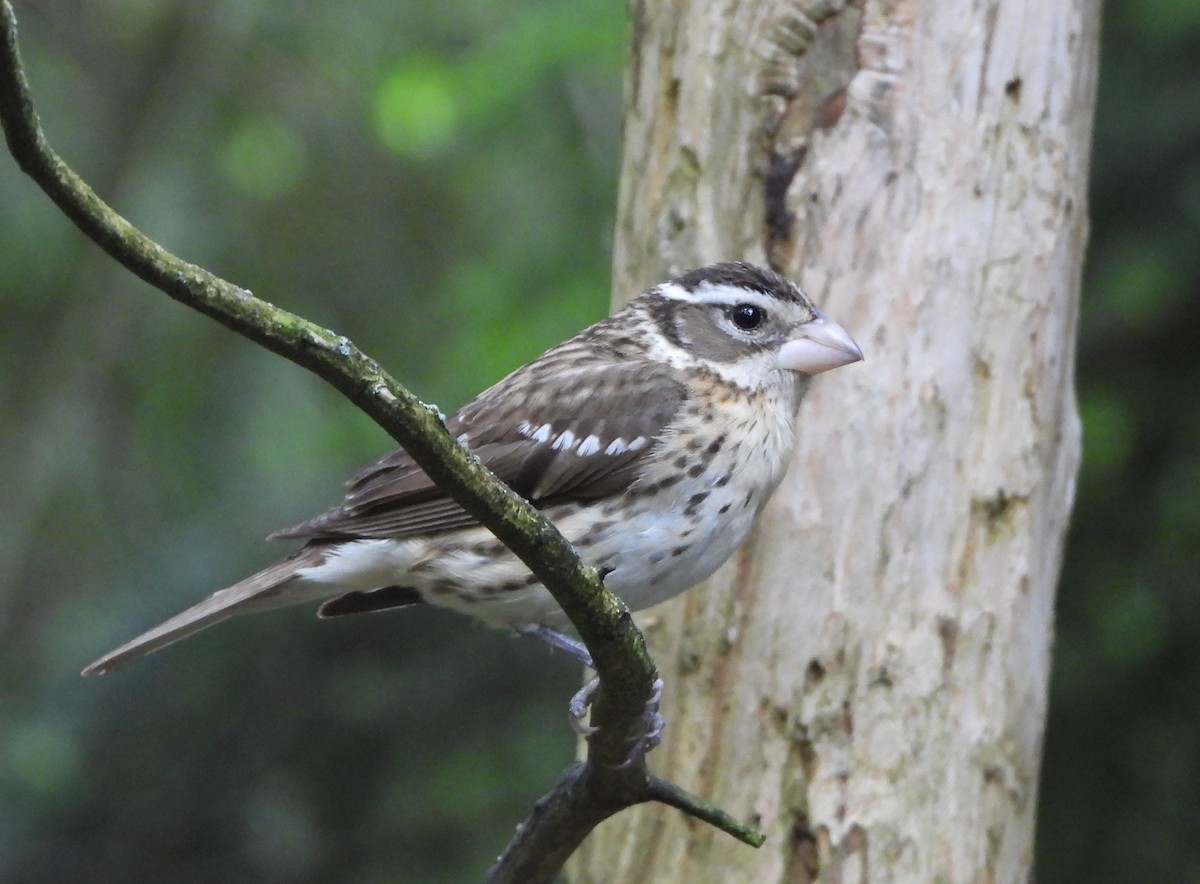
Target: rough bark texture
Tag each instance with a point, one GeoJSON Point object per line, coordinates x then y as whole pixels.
{"type": "Point", "coordinates": [867, 680]}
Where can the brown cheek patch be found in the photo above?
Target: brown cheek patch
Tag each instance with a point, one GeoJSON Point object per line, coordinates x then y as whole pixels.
{"type": "Point", "coordinates": [698, 323]}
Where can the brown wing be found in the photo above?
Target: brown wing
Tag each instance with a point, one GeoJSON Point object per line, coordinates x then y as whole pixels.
{"type": "Point", "coordinates": [556, 429]}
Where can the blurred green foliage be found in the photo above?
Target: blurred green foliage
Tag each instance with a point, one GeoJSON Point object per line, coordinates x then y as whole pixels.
{"type": "Point", "coordinates": [439, 185]}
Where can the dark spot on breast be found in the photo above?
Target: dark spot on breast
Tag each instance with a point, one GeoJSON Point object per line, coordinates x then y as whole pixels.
{"type": "Point", "coordinates": [680, 462]}
{"type": "Point", "coordinates": [723, 510]}
{"type": "Point", "coordinates": [715, 445]}
{"type": "Point", "coordinates": [694, 503]}
{"type": "Point", "coordinates": [696, 470]}
{"type": "Point", "coordinates": [649, 489]}
{"type": "Point", "coordinates": [679, 550]}
{"type": "Point", "coordinates": [723, 481]}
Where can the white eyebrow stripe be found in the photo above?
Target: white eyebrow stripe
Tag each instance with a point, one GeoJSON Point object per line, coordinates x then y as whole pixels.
{"type": "Point", "coordinates": [732, 294]}
{"type": "Point", "coordinates": [720, 295]}
{"type": "Point", "coordinates": [564, 442]}
{"type": "Point", "coordinates": [590, 445]}
{"type": "Point", "coordinates": [676, 292]}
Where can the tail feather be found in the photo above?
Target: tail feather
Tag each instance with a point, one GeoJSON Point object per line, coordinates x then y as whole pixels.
{"type": "Point", "coordinates": [263, 591]}
{"type": "Point", "coordinates": [358, 602]}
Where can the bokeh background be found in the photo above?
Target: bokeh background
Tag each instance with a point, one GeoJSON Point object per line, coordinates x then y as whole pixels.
{"type": "Point", "coordinates": [438, 182]}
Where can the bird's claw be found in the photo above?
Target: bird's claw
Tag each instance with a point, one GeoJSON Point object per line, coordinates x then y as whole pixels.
{"type": "Point", "coordinates": [648, 733]}
{"type": "Point", "coordinates": [577, 708]}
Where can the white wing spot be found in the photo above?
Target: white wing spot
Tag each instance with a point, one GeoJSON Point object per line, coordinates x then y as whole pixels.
{"type": "Point", "coordinates": [616, 446]}
{"type": "Point", "coordinates": [524, 428]}
{"type": "Point", "coordinates": [564, 442]}
{"type": "Point", "coordinates": [590, 445]}
{"type": "Point", "coordinates": [638, 443]}
{"type": "Point", "coordinates": [541, 434]}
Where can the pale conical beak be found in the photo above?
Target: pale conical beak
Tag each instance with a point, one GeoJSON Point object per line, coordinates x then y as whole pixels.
{"type": "Point", "coordinates": [818, 345]}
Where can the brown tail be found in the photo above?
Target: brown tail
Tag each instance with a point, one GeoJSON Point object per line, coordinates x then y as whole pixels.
{"type": "Point", "coordinates": [273, 587]}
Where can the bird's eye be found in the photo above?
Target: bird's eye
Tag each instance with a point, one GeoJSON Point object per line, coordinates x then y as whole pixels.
{"type": "Point", "coordinates": [747, 317]}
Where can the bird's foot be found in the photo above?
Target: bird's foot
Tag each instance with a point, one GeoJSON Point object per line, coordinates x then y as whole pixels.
{"type": "Point", "coordinates": [647, 734]}
{"type": "Point", "coordinates": [643, 738]}
{"type": "Point", "coordinates": [650, 732]}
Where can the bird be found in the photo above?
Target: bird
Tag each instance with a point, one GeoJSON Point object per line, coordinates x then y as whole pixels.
{"type": "Point", "coordinates": [652, 440]}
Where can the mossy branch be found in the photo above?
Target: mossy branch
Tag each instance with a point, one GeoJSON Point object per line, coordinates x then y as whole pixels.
{"type": "Point", "coordinates": [587, 793]}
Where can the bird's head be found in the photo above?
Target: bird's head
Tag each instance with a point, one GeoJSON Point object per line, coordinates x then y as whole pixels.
{"type": "Point", "coordinates": [751, 326]}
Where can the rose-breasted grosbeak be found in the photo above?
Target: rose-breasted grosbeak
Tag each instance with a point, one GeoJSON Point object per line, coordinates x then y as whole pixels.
{"type": "Point", "coordinates": [652, 440]}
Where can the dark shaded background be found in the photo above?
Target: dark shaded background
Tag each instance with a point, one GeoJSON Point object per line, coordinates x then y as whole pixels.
{"type": "Point", "coordinates": [438, 183]}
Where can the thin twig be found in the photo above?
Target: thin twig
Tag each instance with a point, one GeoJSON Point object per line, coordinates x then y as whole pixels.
{"type": "Point", "coordinates": [669, 793]}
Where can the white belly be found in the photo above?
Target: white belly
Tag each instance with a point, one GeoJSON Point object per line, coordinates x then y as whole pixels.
{"type": "Point", "coordinates": [651, 546]}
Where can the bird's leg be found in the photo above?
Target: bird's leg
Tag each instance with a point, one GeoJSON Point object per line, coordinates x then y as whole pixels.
{"type": "Point", "coordinates": [560, 641]}
{"type": "Point", "coordinates": [577, 708]}
{"type": "Point", "coordinates": [652, 721]}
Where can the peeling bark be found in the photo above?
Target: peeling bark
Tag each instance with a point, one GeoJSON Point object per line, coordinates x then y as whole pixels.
{"type": "Point", "coordinates": [867, 680]}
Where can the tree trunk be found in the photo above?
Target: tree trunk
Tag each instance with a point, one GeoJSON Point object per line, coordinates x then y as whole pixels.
{"type": "Point", "coordinates": [867, 679]}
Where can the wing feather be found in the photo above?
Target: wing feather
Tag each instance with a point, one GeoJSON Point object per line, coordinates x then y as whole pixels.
{"type": "Point", "coordinates": [527, 429]}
